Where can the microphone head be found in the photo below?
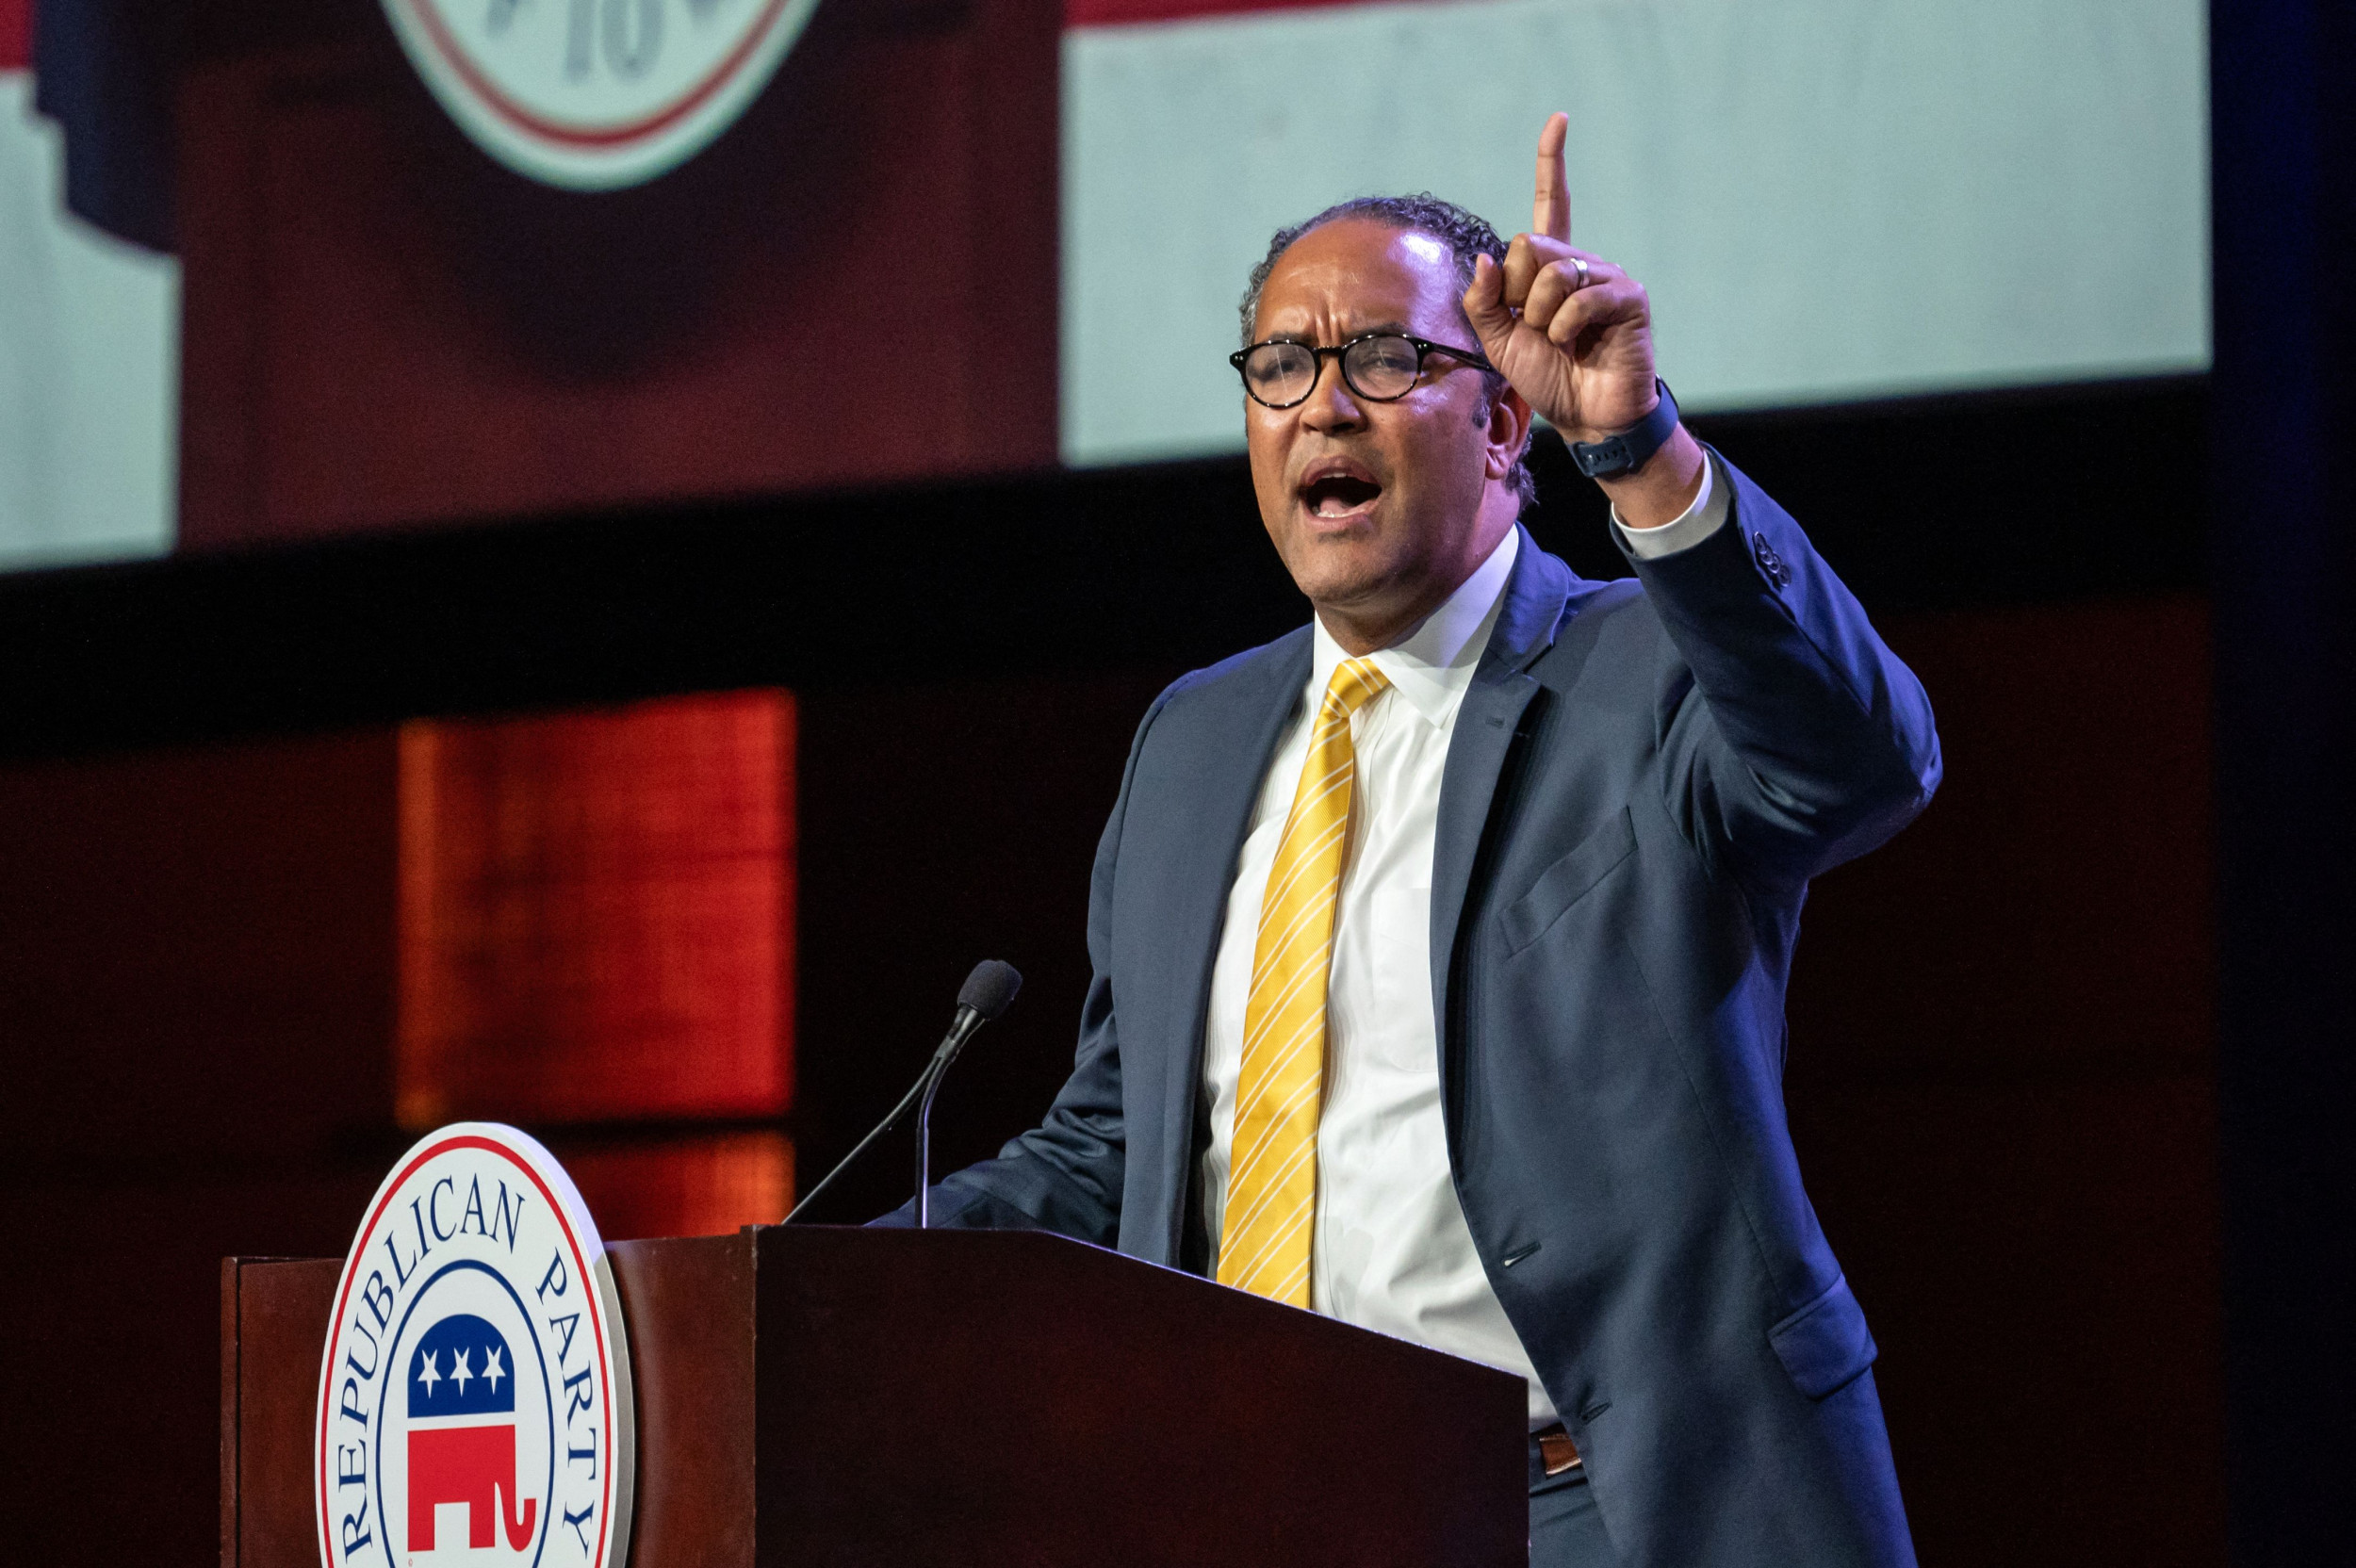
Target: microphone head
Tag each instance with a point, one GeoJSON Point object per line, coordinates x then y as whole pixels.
{"type": "Point", "coordinates": [990, 988]}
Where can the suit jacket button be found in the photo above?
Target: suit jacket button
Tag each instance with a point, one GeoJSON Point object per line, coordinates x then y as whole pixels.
{"type": "Point", "coordinates": [1769, 562]}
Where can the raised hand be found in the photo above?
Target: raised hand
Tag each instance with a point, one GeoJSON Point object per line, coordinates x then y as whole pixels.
{"type": "Point", "coordinates": [1573, 333]}
{"type": "Point", "coordinates": [1571, 330]}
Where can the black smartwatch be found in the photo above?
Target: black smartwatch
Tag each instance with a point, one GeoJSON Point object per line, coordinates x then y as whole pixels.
{"type": "Point", "coordinates": [1628, 450]}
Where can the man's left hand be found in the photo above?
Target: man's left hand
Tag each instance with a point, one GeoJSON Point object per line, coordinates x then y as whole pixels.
{"type": "Point", "coordinates": [1573, 334]}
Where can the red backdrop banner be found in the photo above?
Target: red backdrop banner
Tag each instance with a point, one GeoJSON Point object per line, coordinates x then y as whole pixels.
{"type": "Point", "coordinates": [597, 914]}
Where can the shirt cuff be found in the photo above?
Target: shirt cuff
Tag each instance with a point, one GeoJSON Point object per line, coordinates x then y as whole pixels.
{"type": "Point", "coordinates": [1697, 523]}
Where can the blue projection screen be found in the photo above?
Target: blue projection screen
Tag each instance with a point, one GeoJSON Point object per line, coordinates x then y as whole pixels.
{"type": "Point", "coordinates": [1830, 199]}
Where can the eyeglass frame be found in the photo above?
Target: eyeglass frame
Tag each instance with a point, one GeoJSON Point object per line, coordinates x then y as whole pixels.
{"type": "Point", "coordinates": [1424, 348]}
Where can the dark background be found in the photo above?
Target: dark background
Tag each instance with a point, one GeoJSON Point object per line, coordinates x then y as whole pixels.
{"type": "Point", "coordinates": [2069, 1073]}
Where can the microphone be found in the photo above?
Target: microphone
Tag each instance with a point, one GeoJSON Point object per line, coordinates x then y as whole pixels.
{"type": "Point", "coordinates": [986, 993]}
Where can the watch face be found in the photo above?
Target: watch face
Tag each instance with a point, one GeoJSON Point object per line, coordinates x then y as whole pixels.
{"type": "Point", "coordinates": [593, 94]}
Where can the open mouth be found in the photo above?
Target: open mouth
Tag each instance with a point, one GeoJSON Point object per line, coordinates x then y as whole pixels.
{"type": "Point", "coordinates": [1338, 489]}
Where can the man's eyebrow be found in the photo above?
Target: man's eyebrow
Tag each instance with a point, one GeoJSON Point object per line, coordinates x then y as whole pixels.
{"type": "Point", "coordinates": [1398, 328]}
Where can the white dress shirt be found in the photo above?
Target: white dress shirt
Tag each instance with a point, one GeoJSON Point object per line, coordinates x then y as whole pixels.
{"type": "Point", "coordinates": [1391, 1251]}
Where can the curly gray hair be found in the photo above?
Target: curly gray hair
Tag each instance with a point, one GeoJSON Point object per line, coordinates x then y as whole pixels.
{"type": "Point", "coordinates": [1465, 234]}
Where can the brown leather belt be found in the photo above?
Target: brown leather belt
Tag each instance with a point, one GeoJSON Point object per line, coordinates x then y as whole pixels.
{"type": "Point", "coordinates": [1556, 1450]}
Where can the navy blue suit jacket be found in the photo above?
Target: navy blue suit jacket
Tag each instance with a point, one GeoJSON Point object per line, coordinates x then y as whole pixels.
{"type": "Point", "coordinates": [1643, 778]}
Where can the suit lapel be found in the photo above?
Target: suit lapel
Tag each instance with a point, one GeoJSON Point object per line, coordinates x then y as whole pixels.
{"type": "Point", "coordinates": [1501, 690]}
{"type": "Point", "coordinates": [1235, 735]}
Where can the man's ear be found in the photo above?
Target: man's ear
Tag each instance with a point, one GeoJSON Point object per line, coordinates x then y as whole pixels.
{"type": "Point", "coordinates": [1509, 431]}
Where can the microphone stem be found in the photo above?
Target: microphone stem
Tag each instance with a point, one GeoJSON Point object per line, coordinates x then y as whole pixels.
{"type": "Point", "coordinates": [931, 1085]}
{"type": "Point", "coordinates": [925, 1087]}
{"type": "Point", "coordinates": [852, 1158]}
{"type": "Point", "coordinates": [959, 1032]}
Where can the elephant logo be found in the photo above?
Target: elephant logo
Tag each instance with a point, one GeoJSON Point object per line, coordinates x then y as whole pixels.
{"type": "Point", "coordinates": [462, 1434]}
{"type": "Point", "coordinates": [474, 1390]}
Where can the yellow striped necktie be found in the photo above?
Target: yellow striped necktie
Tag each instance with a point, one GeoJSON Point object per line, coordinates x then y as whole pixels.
{"type": "Point", "coordinates": [1272, 1183]}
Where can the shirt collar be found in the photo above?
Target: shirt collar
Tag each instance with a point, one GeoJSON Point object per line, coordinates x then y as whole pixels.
{"type": "Point", "coordinates": [1431, 664]}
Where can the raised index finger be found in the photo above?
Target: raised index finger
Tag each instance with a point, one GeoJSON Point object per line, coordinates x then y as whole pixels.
{"type": "Point", "coordinates": [1551, 213]}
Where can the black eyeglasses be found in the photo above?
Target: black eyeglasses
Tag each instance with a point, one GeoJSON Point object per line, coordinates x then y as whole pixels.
{"type": "Point", "coordinates": [1381, 366]}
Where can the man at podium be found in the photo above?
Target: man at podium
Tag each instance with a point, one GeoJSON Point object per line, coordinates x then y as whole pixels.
{"type": "Point", "coordinates": [1440, 946]}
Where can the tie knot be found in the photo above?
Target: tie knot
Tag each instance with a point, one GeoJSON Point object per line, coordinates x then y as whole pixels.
{"type": "Point", "coordinates": [1355, 684]}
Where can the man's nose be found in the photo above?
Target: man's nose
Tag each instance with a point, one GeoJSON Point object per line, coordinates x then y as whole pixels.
{"type": "Point", "coordinates": [1331, 404]}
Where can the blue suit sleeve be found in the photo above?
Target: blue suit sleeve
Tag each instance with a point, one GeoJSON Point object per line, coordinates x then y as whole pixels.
{"type": "Point", "coordinates": [1792, 737]}
{"type": "Point", "coordinates": [1064, 1175]}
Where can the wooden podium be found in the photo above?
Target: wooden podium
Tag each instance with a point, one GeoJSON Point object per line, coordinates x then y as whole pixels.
{"type": "Point", "coordinates": [835, 1395]}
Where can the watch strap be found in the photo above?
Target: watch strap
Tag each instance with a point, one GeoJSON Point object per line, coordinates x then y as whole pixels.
{"type": "Point", "coordinates": [1628, 450]}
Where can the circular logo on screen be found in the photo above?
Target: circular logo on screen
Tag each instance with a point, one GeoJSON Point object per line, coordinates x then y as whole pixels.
{"type": "Point", "coordinates": [596, 94]}
{"type": "Point", "coordinates": [474, 1398]}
